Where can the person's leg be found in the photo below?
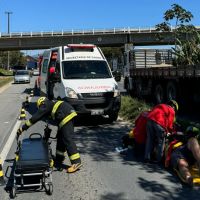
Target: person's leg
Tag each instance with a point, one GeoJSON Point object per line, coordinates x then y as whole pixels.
{"type": "Point", "coordinates": [67, 136]}
{"type": "Point", "coordinates": [194, 147]}
{"type": "Point", "coordinates": [183, 169]}
{"type": "Point", "coordinates": [160, 137]}
{"type": "Point", "coordinates": [149, 140]}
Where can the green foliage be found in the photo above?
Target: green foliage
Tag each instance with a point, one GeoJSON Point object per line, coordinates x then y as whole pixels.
{"type": "Point", "coordinates": [5, 80]}
{"type": "Point", "coordinates": [4, 72]}
{"type": "Point", "coordinates": [187, 52]}
{"type": "Point", "coordinates": [187, 39]}
{"type": "Point", "coordinates": [131, 108]}
{"type": "Point", "coordinates": [16, 58]}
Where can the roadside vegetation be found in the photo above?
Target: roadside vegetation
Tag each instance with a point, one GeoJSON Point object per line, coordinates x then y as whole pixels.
{"type": "Point", "coordinates": [6, 76]}
{"type": "Point", "coordinates": [131, 108]}
{"type": "Point", "coordinates": [187, 39]}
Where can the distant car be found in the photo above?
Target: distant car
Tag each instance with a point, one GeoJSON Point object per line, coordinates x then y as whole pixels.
{"type": "Point", "coordinates": [36, 72]}
{"type": "Point", "coordinates": [22, 76]}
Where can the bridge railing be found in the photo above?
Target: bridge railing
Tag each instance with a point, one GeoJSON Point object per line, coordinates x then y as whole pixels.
{"type": "Point", "coordinates": [79, 32]}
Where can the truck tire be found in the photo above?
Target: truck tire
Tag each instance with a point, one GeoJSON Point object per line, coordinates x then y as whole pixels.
{"type": "Point", "coordinates": [171, 91]}
{"type": "Point", "coordinates": [159, 94]}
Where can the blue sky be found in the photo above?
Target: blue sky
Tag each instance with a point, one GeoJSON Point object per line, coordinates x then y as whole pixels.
{"type": "Point", "coordinates": [48, 15]}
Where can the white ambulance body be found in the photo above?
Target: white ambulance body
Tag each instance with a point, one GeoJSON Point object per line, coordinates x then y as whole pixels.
{"type": "Point", "coordinates": [83, 79]}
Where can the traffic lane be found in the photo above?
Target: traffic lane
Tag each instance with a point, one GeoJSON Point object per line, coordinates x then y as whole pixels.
{"type": "Point", "coordinates": [105, 173]}
{"type": "Point", "coordinates": [11, 103]}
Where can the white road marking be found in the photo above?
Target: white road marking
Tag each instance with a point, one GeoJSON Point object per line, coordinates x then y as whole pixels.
{"type": "Point", "coordinates": [9, 142]}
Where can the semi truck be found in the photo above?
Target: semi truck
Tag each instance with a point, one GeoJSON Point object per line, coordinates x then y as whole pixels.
{"type": "Point", "coordinates": [150, 74]}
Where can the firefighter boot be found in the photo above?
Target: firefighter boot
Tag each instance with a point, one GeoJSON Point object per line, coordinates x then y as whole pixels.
{"type": "Point", "coordinates": [58, 162]}
{"type": "Point", "coordinates": [74, 168]}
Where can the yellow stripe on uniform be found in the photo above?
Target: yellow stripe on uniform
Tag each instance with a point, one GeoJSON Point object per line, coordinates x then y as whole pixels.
{"type": "Point", "coordinates": [177, 145]}
{"type": "Point", "coordinates": [55, 107]}
{"type": "Point", "coordinates": [28, 123]}
{"type": "Point", "coordinates": [60, 153]}
{"type": "Point", "coordinates": [67, 119]}
{"type": "Point", "coordinates": [74, 156]}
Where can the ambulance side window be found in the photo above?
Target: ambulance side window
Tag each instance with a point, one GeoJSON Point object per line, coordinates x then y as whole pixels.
{"type": "Point", "coordinates": [44, 66]}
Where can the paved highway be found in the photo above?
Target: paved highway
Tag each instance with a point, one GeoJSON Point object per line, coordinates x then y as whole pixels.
{"type": "Point", "coordinates": [105, 175]}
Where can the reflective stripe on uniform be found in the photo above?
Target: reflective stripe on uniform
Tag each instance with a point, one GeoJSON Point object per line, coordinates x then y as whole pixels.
{"type": "Point", "coordinates": [177, 145]}
{"type": "Point", "coordinates": [55, 107]}
{"type": "Point", "coordinates": [28, 123]}
{"type": "Point", "coordinates": [60, 153]}
{"type": "Point", "coordinates": [74, 156]}
{"type": "Point", "coordinates": [67, 119]}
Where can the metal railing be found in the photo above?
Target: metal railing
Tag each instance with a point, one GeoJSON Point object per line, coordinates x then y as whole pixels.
{"type": "Point", "coordinates": [80, 32]}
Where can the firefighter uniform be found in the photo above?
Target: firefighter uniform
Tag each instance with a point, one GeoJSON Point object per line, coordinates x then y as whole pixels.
{"type": "Point", "coordinates": [62, 114]}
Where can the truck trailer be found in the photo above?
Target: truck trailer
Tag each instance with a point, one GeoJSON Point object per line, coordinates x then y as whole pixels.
{"type": "Point", "coordinates": [150, 74]}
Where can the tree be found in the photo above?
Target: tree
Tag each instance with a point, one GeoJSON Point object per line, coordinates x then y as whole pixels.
{"type": "Point", "coordinates": [16, 58]}
{"type": "Point", "coordinates": [187, 39]}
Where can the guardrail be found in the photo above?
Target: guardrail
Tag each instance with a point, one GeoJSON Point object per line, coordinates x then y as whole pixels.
{"type": "Point", "coordinates": [79, 32]}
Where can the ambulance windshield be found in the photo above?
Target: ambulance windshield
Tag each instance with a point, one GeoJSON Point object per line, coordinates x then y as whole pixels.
{"type": "Point", "coordinates": [85, 69]}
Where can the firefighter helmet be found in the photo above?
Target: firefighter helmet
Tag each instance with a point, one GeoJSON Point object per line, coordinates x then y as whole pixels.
{"type": "Point", "coordinates": [174, 104]}
{"type": "Point", "coordinates": [40, 101]}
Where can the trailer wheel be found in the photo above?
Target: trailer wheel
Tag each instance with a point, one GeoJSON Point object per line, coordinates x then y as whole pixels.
{"type": "Point", "coordinates": [171, 91]}
{"type": "Point", "coordinates": [159, 94]}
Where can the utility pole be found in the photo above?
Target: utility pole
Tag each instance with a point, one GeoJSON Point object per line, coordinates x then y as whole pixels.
{"type": "Point", "coordinates": [8, 13]}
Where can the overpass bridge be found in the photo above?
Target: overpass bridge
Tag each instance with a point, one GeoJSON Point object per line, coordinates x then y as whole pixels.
{"type": "Point", "coordinates": [102, 37]}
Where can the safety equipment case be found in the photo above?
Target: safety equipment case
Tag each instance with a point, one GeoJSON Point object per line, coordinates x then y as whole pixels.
{"type": "Point", "coordinates": [34, 164]}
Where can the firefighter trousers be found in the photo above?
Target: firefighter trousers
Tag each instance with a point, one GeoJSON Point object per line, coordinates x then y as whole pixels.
{"type": "Point", "coordinates": [65, 142]}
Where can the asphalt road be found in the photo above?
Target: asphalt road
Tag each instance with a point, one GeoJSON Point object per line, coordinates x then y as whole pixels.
{"type": "Point", "coordinates": [105, 175]}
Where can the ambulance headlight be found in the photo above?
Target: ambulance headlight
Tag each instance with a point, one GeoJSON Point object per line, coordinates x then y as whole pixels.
{"type": "Point", "coordinates": [116, 91]}
{"type": "Point", "coordinates": [70, 93]}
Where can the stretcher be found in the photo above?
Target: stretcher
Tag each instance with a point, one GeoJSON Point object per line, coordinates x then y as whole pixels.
{"type": "Point", "coordinates": [33, 166]}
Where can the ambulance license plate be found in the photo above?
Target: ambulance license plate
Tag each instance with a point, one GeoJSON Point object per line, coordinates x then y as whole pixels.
{"type": "Point", "coordinates": [97, 112]}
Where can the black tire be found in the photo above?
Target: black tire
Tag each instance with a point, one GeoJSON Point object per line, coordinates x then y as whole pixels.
{"type": "Point", "coordinates": [159, 94]}
{"type": "Point", "coordinates": [49, 188]}
{"type": "Point", "coordinates": [13, 192]}
{"type": "Point", "coordinates": [171, 91]}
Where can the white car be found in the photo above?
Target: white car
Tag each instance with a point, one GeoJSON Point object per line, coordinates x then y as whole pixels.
{"type": "Point", "coordinates": [22, 76]}
{"type": "Point", "coordinates": [36, 72]}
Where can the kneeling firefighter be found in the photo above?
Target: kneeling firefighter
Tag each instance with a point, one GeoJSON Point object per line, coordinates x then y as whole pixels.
{"type": "Point", "coordinates": [62, 113]}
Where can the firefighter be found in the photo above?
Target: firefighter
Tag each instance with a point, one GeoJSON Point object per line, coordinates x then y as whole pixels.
{"type": "Point", "coordinates": [160, 122]}
{"type": "Point", "coordinates": [62, 113]}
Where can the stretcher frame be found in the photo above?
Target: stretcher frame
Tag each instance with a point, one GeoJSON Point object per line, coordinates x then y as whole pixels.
{"type": "Point", "coordinates": [43, 174]}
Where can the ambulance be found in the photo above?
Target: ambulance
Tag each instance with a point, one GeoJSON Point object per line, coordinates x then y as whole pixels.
{"type": "Point", "coordinates": [80, 75]}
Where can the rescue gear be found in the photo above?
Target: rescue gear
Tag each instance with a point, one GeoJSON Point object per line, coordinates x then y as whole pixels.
{"type": "Point", "coordinates": [32, 93]}
{"type": "Point", "coordinates": [22, 114]}
{"type": "Point", "coordinates": [40, 101]}
{"type": "Point", "coordinates": [174, 104]}
{"type": "Point", "coordinates": [62, 113]}
{"type": "Point", "coordinates": [19, 132]}
{"type": "Point", "coordinates": [74, 167]}
{"type": "Point", "coordinates": [2, 181]}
